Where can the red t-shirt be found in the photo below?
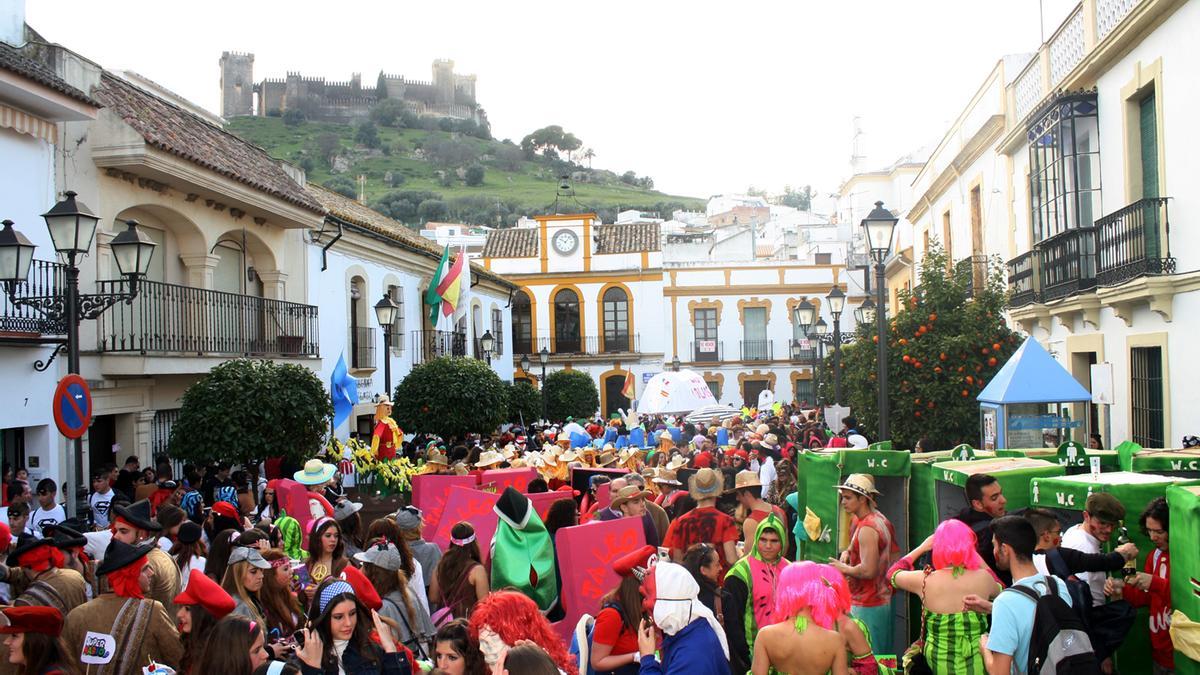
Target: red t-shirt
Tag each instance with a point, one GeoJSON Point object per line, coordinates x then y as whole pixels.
{"type": "Point", "coordinates": [755, 516]}
{"type": "Point", "coordinates": [610, 631]}
{"type": "Point", "coordinates": [702, 525]}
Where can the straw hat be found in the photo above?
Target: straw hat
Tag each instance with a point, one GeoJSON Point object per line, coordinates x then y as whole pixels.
{"type": "Point", "coordinates": [568, 456]}
{"type": "Point", "coordinates": [605, 459]}
{"type": "Point", "coordinates": [509, 451]}
{"type": "Point", "coordinates": [489, 458]}
{"type": "Point", "coordinates": [861, 484]}
{"type": "Point", "coordinates": [627, 494]}
{"type": "Point", "coordinates": [436, 457]}
{"type": "Point", "coordinates": [677, 462]}
{"type": "Point", "coordinates": [460, 469]}
{"type": "Point", "coordinates": [315, 472]}
{"type": "Point", "coordinates": [383, 399]}
{"type": "Point", "coordinates": [746, 479]}
{"type": "Point", "coordinates": [667, 477]}
{"type": "Point", "coordinates": [706, 484]}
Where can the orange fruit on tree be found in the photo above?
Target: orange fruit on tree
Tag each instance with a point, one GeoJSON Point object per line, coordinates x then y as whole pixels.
{"type": "Point", "coordinates": [916, 413]}
{"type": "Point", "coordinates": [985, 350]}
{"type": "Point", "coordinates": [906, 358]}
{"type": "Point", "coordinates": [933, 317]}
{"type": "Point", "coordinates": [937, 369]}
{"type": "Point", "coordinates": [992, 361]}
{"type": "Point", "coordinates": [903, 341]}
{"type": "Point", "coordinates": [996, 346]}
{"type": "Point", "coordinates": [942, 356]}
{"type": "Point", "coordinates": [970, 379]}
{"type": "Point", "coordinates": [931, 405]}
{"type": "Point", "coordinates": [965, 393]}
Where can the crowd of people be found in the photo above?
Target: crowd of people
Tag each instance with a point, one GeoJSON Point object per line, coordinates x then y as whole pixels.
{"type": "Point", "coordinates": [207, 572]}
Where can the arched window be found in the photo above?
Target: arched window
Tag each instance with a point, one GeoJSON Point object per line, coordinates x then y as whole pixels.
{"type": "Point", "coordinates": [567, 327]}
{"type": "Point", "coordinates": [616, 320]}
{"type": "Point", "coordinates": [522, 324]}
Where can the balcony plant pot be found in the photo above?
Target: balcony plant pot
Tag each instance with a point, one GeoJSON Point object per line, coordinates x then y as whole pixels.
{"type": "Point", "coordinates": [291, 344]}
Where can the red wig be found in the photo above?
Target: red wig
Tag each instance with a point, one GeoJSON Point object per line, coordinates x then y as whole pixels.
{"type": "Point", "coordinates": [514, 617]}
{"type": "Point", "coordinates": [954, 546]}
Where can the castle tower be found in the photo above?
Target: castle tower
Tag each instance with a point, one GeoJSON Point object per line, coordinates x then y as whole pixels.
{"type": "Point", "coordinates": [237, 84]}
{"type": "Point", "coordinates": [443, 81]}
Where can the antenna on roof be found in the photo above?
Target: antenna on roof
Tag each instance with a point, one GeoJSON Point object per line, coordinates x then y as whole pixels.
{"type": "Point", "coordinates": [857, 154]}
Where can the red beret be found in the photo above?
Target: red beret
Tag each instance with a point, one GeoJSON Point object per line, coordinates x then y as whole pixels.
{"type": "Point", "coordinates": [226, 510]}
{"type": "Point", "coordinates": [44, 620]}
{"type": "Point", "coordinates": [366, 593]}
{"type": "Point", "coordinates": [207, 593]}
{"type": "Point", "coordinates": [639, 558]}
{"type": "Point", "coordinates": [5, 537]}
{"type": "Point", "coordinates": [739, 453]}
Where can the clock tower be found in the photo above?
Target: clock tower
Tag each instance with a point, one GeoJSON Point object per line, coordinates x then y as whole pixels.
{"type": "Point", "coordinates": [566, 242]}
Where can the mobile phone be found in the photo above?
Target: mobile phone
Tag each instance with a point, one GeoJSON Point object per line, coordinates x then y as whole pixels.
{"type": "Point", "coordinates": [298, 638]}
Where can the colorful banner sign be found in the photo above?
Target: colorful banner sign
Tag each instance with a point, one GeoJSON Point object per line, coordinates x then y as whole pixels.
{"type": "Point", "coordinates": [585, 556]}
{"type": "Point", "coordinates": [473, 506]}
{"type": "Point", "coordinates": [496, 480]}
{"type": "Point", "coordinates": [430, 492]}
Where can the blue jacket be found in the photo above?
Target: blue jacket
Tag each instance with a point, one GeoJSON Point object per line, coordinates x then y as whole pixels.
{"type": "Point", "coordinates": [695, 650]}
{"type": "Point", "coordinates": [354, 664]}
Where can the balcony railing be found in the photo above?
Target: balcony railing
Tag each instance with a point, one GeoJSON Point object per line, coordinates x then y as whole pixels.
{"type": "Point", "coordinates": [362, 347]}
{"type": "Point", "coordinates": [708, 351]}
{"type": "Point", "coordinates": [802, 355]}
{"type": "Point", "coordinates": [1134, 242]}
{"type": "Point", "coordinates": [46, 280]}
{"type": "Point", "coordinates": [431, 344]}
{"type": "Point", "coordinates": [1022, 279]}
{"type": "Point", "coordinates": [972, 270]}
{"type": "Point", "coordinates": [1068, 263]}
{"type": "Point", "coordinates": [590, 345]}
{"type": "Point", "coordinates": [757, 350]}
{"type": "Point", "coordinates": [174, 319]}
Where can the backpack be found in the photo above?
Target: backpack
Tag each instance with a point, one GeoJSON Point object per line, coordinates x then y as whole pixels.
{"type": "Point", "coordinates": [1059, 644]}
{"type": "Point", "coordinates": [1080, 591]}
{"type": "Point", "coordinates": [581, 646]}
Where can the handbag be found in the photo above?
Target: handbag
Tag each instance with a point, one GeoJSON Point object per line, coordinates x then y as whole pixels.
{"type": "Point", "coordinates": [445, 615]}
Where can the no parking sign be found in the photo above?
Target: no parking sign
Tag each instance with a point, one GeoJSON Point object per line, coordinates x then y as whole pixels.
{"type": "Point", "coordinates": [72, 406]}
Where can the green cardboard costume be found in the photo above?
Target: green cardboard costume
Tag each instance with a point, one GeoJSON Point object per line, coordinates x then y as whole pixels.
{"type": "Point", "coordinates": [751, 584]}
{"type": "Point", "coordinates": [289, 534]}
{"type": "Point", "coordinates": [522, 552]}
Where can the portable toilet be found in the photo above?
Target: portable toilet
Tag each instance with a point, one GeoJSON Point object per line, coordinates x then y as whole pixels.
{"type": "Point", "coordinates": [1072, 455]}
{"type": "Point", "coordinates": [1067, 496]}
{"type": "Point", "coordinates": [1182, 463]}
{"type": "Point", "coordinates": [923, 516]}
{"type": "Point", "coordinates": [1184, 502]}
{"type": "Point", "coordinates": [1014, 474]}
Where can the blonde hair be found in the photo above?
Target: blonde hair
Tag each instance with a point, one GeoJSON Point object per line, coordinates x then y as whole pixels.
{"type": "Point", "coordinates": [233, 584]}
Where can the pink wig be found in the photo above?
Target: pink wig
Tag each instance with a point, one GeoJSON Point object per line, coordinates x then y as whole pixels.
{"type": "Point", "coordinates": [805, 586]}
{"type": "Point", "coordinates": [514, 617]}
{"type": "Point", "coordinates": [954, 546]}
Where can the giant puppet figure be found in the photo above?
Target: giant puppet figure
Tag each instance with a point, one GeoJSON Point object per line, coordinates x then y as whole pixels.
{"type": "Point", "coordinates": [386, 438]}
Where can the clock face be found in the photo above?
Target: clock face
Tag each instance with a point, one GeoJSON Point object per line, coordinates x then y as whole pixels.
{"type": "Point", "coordinates": [565, 242]}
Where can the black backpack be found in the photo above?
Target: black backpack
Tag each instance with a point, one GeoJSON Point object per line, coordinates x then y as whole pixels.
{"type": "Point", "coordinates": [1059, 644]}
{"type": "Point", "coordinates": [1080, 591]}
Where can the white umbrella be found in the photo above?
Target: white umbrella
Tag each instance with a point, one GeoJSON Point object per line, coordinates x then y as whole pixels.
{"type": "Point", "coordinates": [712, 413]}
{"type": "Point", "coordinates": [677, 393]}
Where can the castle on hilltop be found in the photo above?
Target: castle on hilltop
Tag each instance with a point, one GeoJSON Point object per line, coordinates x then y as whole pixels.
{"type": "Point", "coordinates": [447, 95]}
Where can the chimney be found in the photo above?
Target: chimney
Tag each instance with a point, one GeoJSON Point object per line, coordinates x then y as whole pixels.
{"type": "Point", "coordinates": [12, 22]}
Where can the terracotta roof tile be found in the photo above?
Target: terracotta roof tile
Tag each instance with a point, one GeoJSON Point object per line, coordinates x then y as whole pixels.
{"type": "Point", "coordinates": [181, 133]}
{"type": "Point", "coordinates": [521, 242]}
{"type": "Point", "coordinates": [12, 60]}
{"type": "Point", "coordinates": [627, 238]}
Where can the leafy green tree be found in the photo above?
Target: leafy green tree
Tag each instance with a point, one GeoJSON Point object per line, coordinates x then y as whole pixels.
{"type": "Point", "coordinates": [549, 141]}
{"type": "Point", "coordinates": [474, 175]}
{"type": "Point", "coordinates": [797, 199]}
{"type": "Point", "coordinates": [432, 210]}
{"type": "Point", "coordinates": [629, 178]}
{"type": "Point", "coordinates": [245, 410]}
{"type": "Point", "coordinates": [343, 186]}
{"type": "Point", "coordinates": [448, 152]}
{"type": "Point", "coordinates": [387, 112]}
{"type": "Point", "coordinates": [944, 345]}
{"type": "Point", "coordinates": [402, 205]}
{"type": "Point", "coordinates": [570, 393]}
{"type": "Point", "coordinates": [451, 396]}
{"type": "Point", "coordinates": [524, 402]}
{"type": "Point", "coordinates": [367, 134]}
{"type": "Point", "coordinates": [328, 145]}
{"type": "Point", "coordinates": [294, 117]}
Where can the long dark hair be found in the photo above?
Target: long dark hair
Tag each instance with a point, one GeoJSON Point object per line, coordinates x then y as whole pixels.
{"type": "Point", "coordinates": [386, 581]}
{"type": "Point", "coordinates": [314, 548]}
{"type": "Point", "coordinates": [456, 565]}
{"type": "Point", "coordinates": [227, 650]}
{"type": "Point", "coordinates": [529, 659]}
{"type": "Point", "coordinates": [218, 554]}
{"type": "Point", "coordinates": [387, 528]}
{"type": "Point", "coordinates": [42, 651]}
{"type": "Point", "coordinates": [697, 556]}
{"type": "Point", "coordinates": [194, 640]}
{"type": "Point", "coordinates": [182, 553]}
{"type": "Point", "coordinates": [562, 513]}
{"type": "Point", "coordinates": [360, 639]}
{"type": "Point", "coordinates": [627, 596]}
{"type": "Point", "coordinates": [458, 634]}
{"type": "Point", "coordinates": [281, 608]}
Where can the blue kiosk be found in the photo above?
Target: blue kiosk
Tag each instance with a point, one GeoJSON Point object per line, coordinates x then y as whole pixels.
{"type": "Point", "coordinates": [1025, 404]}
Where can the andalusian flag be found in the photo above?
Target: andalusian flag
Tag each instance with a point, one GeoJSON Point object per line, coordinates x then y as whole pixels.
{"type": "Point", "coordinates": [627, 391]}
{"type": "Point", "coordinates": [451, 285]}
{"type": "Point", "coordinates": [433, 297]}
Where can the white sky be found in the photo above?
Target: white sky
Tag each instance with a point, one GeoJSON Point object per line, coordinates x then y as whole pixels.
{"type": "Point", "coordinates": [705, 97]}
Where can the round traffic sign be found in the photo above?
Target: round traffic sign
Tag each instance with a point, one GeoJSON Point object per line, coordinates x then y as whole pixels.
{"type": "Point", "coordinates": [72, 406]}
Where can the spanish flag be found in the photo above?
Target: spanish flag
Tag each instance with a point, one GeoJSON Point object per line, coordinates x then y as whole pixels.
{"type": "Point", "coordinates": [627, 391]}
{"type": "Point", "coordinates": [451, 285]}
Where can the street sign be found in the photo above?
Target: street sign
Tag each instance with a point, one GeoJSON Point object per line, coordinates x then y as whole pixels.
{"type": "Point", "coordinates": [72, 406]}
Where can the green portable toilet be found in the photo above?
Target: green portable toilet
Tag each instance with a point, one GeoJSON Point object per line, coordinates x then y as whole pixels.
{"type": "Point", "coordinates": [1184, 502]}
{"type": "Point", "coordinates": [1067, 496]}
{"type": "Point", "coordinates": [1014, 474]}
{"type": "Point", "coordinates": [1072, 455]}
{"type": "Point", "coordinates": [923, 516]}
{"type": "Point", "coordinates": [1183, 463]}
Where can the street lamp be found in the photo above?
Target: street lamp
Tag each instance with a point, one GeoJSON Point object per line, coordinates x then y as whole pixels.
{"type": "Point", "coordinates": [865, 313]}
{"type": "Point", "coordinates": [675, 365]}
{"type": "Point", "coordinates": [880, 224]}
{"type": "Point", "coordinates": [72, 228]}
{"type": "Point", "coordinates": [385, 313]}
{"type": "Point", "coordinates": [487, 342]}
{"type": "Point", "coordinates": [544, 359]}
{"type": "Point", "coordinates": [837, 303]}
{"type": "Point", "coordinates": [803, 315]}
{"type": "Point", "coordinates": [525, 363]}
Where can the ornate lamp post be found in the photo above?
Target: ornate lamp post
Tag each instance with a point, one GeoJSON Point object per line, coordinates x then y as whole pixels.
{"type": "Point", "coordinates": [880, 225]}
{"type": "Point", "coordinates": [72, 228]}
{"type": "Point", "coordinates": [525, 365]}
{"type": "Point", "coordinates": [837, 303]}
{"type": "Point", "coordinates": [487, 343]}
{"type": "Point", "coordinates": [385, 313]}
{"type": "Point", "coordinates": [544, 359]}
{"type": "Point", "coordinates": [820, 331]}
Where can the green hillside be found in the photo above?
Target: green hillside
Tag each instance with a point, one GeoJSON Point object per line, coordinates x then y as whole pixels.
{"type": "Point", "coordinates": [412, 166]}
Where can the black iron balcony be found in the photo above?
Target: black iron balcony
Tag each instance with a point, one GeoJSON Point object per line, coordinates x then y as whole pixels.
{"type": "Point", "coordinates": [1134, 242]}
{"type": "Point", "coordinates": [591, 345]}
{"type": "Point", "coordinates": [431, 344]}
{"type": "Point", "coordinates": [756, 350]}
{"type": "Point", "coordinates": [362, 347]}
{"type": "Point", "coordinates": [803, 355]}
{"type": "Point", "coordinates": [174, 319]}
{"type": "Point", "coordinates": [1067, 263]}
{"type": "Point", "coordinates": [523, 344]}
{"type": "Point", "coordinates": [708, 351]}
{"type": "Point", "coordinates": [46, 280]}
{"type": "Point", "coordinates": [1022, 279]}
{"type": "Point", "coordinates": [972, 270]}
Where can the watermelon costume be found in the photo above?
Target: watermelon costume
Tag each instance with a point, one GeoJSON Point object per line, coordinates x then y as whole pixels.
{"type": "Point", "coordinates": [751, 584]}
{"type": "Point", "coordinates": [522, 553]}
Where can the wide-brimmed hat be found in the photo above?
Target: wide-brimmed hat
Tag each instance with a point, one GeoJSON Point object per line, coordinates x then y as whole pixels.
{"type": "Point", "coordinates": [138, 515]}
{"type": "Point", "coordinates": [509, 451]}
{"type": "Point", "coordinates": [676, 463]}
{"type": "Point", "coordinates": [384, 555]}
{"type": "Point", "coordinates": [489, 458]}
{"type": "Point", "coordinates": [746, 479]}
{"type": "Point", "coordinates": [862, 484]}
{"type": "Point", "coordinates": [436, 457]}
{"type": "Point", "coordinates": [119, 555]}
{"type": "Point", "coordinates": [569, 456]}
{"type": "Point", "coordinates": [666, 477]}
{"type": "Point", "coordinates": [249, 555]}
{"type": "Point", "coordinates": [25, 544]}
{"type": "Point", "coordinates": [65, 536]}
{"type": "Point", "coordinates": [345, 509]}
{"type": "Point", "coordinates": [771, 440]}
{"type": "Point", "coordinates": [627, 494]}
{"type": "Point", "coordinates": [315, 472]}
{"type": "Point", "coordinates": [383, 399]}
{"type": "Point", "coordinates": [705, 484]}
{"type": "Point", "coordinates": [605, 459]}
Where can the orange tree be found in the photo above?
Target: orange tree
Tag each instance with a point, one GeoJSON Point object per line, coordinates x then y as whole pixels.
{"type": "Point", "coordinates": [944, 345]}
